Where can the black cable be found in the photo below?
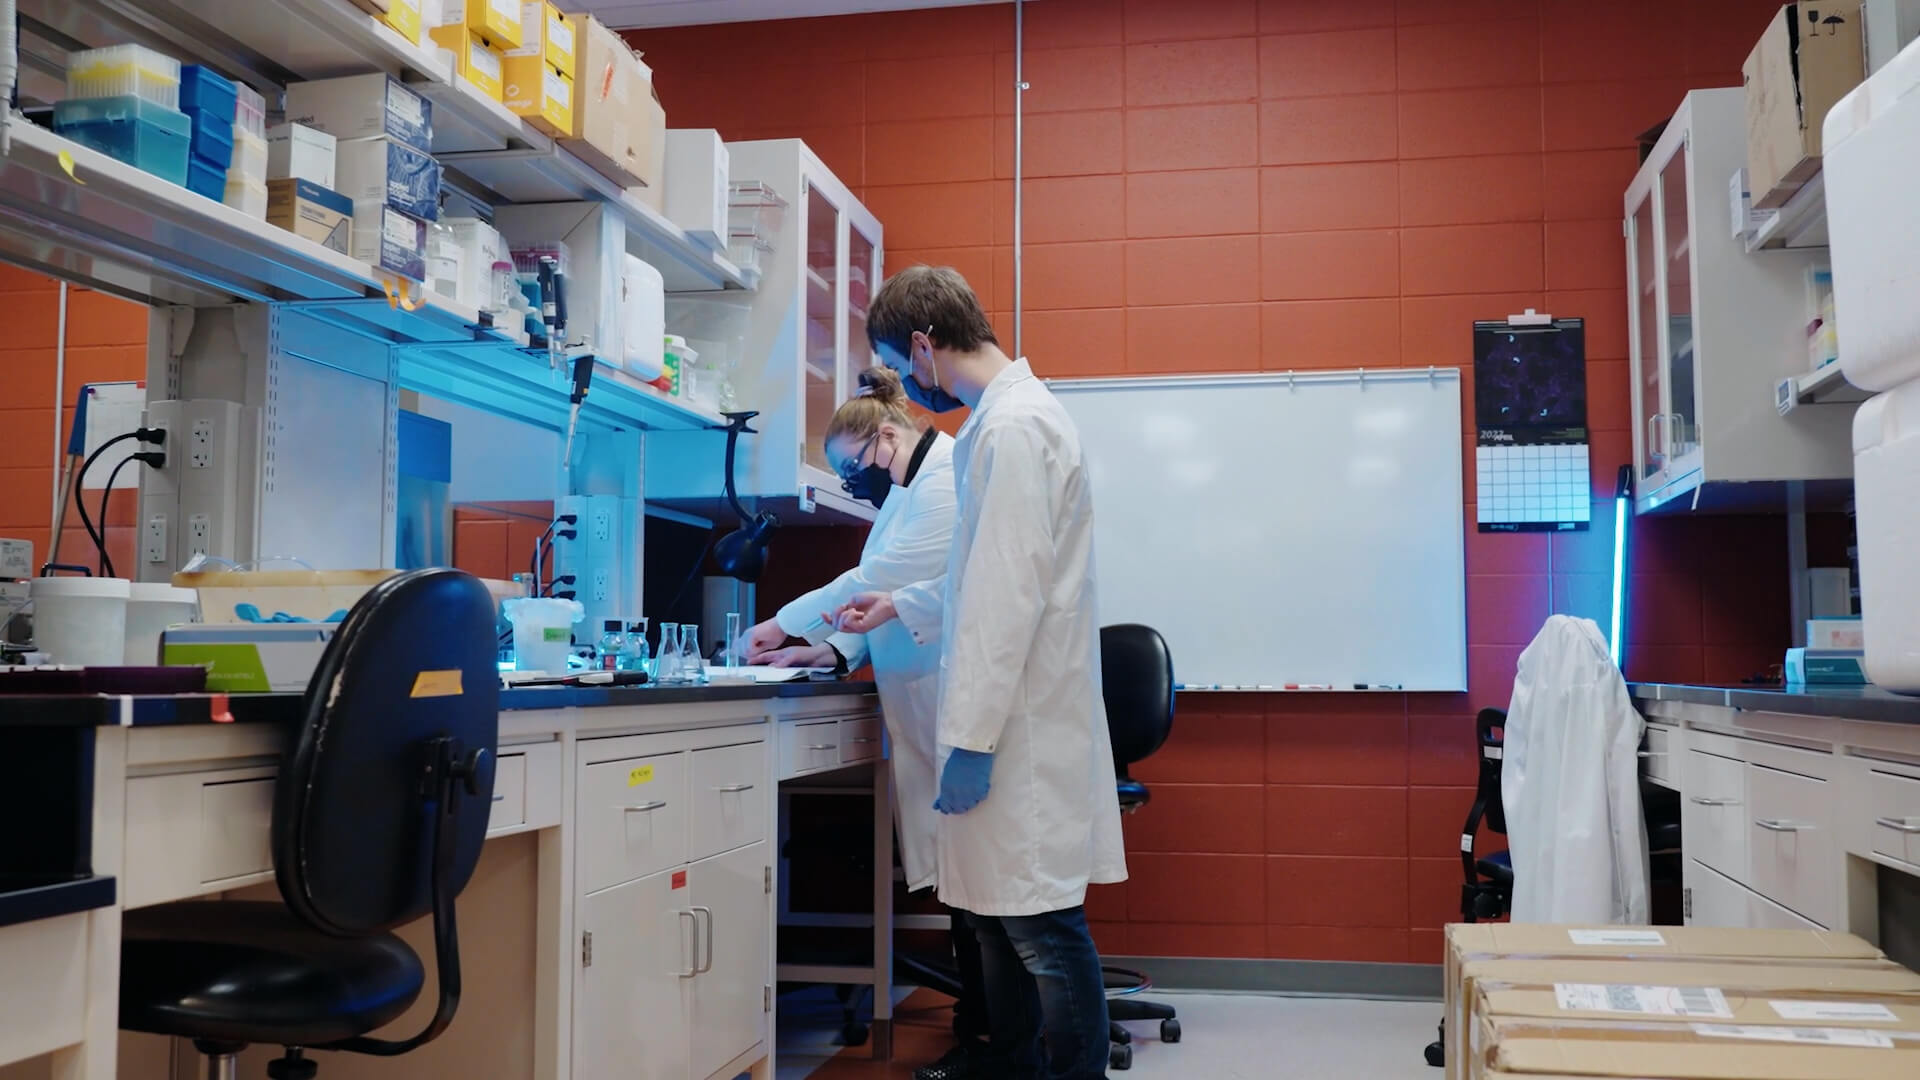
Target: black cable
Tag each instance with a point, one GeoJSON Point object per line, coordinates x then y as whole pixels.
{"type": "Point", "coordinates": [106, 560]}
{"type": "Point", "coordinates": [79, 498]}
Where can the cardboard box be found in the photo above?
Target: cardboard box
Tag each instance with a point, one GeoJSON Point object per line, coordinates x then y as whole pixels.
{"type": "Point", "coordinates": [1836, 632]}
{"type": "Point", "coordinates": [618, 124]}
{"type": "Point", "coordinates": [386, 239]}
{"type": "Point", "coordinates": [696, 184]}
{"type": "Point", "coordinates": [1471, 945]}
{"type": "Point", "coordinates": [650, 132]}
{"type": "Point", "coordinates": [249, 657]}
{"type": "Point", "coordinates": [304, 208]}
{"type": "Point", "coordinates": [1639, 1003]}
{"type": "Point", "coordinates": [473, 59]}
{"type": "Point", "coordinates": [404, 17]}
{"type": "Point", "coordinates": [298, 152]}
{"type": "Point", "coordinates": [546, 35]}
{"type": "Point", "coordinates": [1809, 57]}
{"type": "Point", "coordinates": [381, 169]}
{"type": "Point", "coordinates": [539, 94]}
{"type": "Point", "coordinates": [497, 22]}
{"type": "Point", "coordinates": [1703, 1052]}
{"type": "Point", "coordinates": [363, 107]}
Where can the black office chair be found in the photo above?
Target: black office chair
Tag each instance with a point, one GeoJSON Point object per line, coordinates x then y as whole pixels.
{"type": "Point", "coordinates": [378, 818]}
{"type": "Point", "coordinates": [1137, 683]}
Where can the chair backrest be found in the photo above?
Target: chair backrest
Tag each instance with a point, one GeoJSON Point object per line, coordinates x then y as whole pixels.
{"type": "Point", "coordinates": [352, 819]}
{"type": "Point", "coordinates": [1136, 679]}
{"type": "Point", "coordinates": [1490, 736]}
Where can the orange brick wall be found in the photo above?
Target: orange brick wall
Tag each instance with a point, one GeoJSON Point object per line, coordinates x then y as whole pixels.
{"type": "Point", "coordinates": [1232, 185]}
{"type": "Point", "coordinates": [106, 342]}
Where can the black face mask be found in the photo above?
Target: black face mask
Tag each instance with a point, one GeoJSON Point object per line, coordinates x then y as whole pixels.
{"type": "Point", "coordinates": [872, 484]}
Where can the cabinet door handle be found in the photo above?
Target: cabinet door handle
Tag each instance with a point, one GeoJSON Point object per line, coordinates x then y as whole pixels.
{"type": "Point", "coordinates": [1702, 800]}
{"type": "Point", "coordinates": [1908, 825]}
{"type": "Point", "coordinates": [823, 746]}
{"type": "Point", "coordinates": [1654, 753]}
{"type": "Point", "coordinates": [645, 807]}
{"type": "Point", "coordinates": [730, 789]}
{"type": "Point", "coordinates": [1782, 825]}
{"type": "Point", "coordinates": [706, 938]}
{"type": "Point", "coordinates": [499, 798]}
{"type": "Point", "coordinates": [863, 739]}
{"type": "Point", "coordinates": [693, 961]}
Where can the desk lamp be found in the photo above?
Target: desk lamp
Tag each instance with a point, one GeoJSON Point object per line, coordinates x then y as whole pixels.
{"type": "Point", "coordinates": [742, 553]}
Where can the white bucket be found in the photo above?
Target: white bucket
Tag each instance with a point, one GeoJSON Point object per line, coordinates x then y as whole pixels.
{"type": "Point", "coordinates": [151, 608]}
{"type": "Point", "coordinates": [81, 620]}
{"type": "Point", "coordinates": [542, 631]}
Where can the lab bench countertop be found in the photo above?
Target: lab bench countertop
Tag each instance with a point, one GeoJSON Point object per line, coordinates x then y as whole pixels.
{"type": "Point", "coordinates": [1868, 703]}
{"type": "Point", "coordinates": [142, 710]}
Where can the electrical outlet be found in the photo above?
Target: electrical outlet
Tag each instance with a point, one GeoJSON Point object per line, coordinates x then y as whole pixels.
{"type": "Point", "coordinates": [600, 586]}
{"type": "Point", "coordinates": [602, 524]}
{"type": "Point", "coordinates": [153, 540]}
{"type": "Point", "coordinates": [198, 526]}
{"type": "Point", "coordinates": [200, 445]}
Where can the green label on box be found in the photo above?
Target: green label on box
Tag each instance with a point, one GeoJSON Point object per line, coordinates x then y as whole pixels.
{"type": "Point", "coordinates": [231, 668]}
{"type": "Point", "coordinates": [556, 633]}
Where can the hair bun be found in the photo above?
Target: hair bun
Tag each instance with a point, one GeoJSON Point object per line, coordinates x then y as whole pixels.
{"type": "Point", "coordinates": [882, 384]}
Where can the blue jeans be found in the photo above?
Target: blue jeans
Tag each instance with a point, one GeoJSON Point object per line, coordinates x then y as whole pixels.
{"type": "Point", "coordinates": [1042, 973]}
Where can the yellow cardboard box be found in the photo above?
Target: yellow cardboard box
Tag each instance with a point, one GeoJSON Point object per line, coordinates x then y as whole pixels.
{"type": "Point", "coordinates": [404, 17]}
{"type": "Point", "coordinates": [473, 59]}
{"type": "Point", "coordinates": [539, 94]}
{"type": "Point", "coordinates": [547, 34]}
{"type": "Point", "coordinates": [497, 22]}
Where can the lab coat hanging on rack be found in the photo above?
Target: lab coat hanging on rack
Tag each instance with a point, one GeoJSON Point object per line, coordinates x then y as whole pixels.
{"type": "Point", "coordinates": [1570, 781]}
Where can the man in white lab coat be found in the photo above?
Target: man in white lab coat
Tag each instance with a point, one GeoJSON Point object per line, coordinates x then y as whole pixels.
{"type": "Point", "coordinates": [1029, 812]}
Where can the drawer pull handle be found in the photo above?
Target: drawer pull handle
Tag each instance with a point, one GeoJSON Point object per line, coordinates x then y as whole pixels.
{"type": "Point", "coordinates": [499, 798]}
{"type": "Point", "coordinates": [1654, 754]}
{"type": "Point", "coordinates": [1781, 825]}
{"type": "Point", "coordinates": [822, 746]}
{"type": "Point", "coordinates": [731, 789]}
{"type": "Point", "coordinates": [645, 807]}
{"type": "Point", "coordinates": [1702, 800]}
{"type": "Point", "coordinates": [863, 739]}
{"type": "Point", "coordinates": [1907, 825]}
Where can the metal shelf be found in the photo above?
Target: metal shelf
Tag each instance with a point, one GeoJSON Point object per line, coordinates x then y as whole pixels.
{"type": "Point", "coordinates": [520, 382]}
{"type": "Point", "coordinates": [1827, 386]}
{"type": "Point", "coordinates": [1801, 223]}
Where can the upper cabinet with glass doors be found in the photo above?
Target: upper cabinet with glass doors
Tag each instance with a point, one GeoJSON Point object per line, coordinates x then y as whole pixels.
{"type": "Point", "coordinates": [1712, 329]}
{"type": "Point", "coordinates": [793, 350]}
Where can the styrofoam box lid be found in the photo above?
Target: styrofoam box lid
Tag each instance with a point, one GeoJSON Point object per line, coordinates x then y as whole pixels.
{"type": "Point", "coordinates": [1873, 97]}
{"type": "Point", "coordinates": [82, 588]}
{"type": "Point", "coordinates": [151, 592]}
{"type": "Point", "coordinates": [1887, 418]}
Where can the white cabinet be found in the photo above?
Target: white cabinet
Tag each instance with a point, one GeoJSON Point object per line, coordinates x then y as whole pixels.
{"type": "Point", "coordinates": [675, 907]}
{"type": "Point", "coordinates": [793, 350]}
{"type": "Point", "coordinates": [1712, 329]}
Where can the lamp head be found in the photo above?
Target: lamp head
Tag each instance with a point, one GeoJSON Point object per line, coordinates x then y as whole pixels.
{"type": "Point", "coordinates": [742, 553]}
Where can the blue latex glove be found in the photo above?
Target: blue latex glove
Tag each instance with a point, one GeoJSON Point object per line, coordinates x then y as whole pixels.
{"type": "Point", "coordinates": [964, 782]}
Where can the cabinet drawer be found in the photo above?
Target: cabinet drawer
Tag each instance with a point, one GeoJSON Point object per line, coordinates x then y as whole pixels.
{"type": "Point", "coordinates": [509, 793]}
{"type": "Point", "coordinates": [189, 834]}
{"type": "Point", "coordinates": [46, 969]}
{"type": "Point", "coordinates": [809, 747]}
{"type": "Point", "coordinates": [633, 818]}
{"type": "Point", "coordinates": [1661, 768]}
{"type": "Point", "coordinates": [1894, 801]}
{"type": "Point", "coordinates": [729, 798]}
{"type": "Point", "coordinates": [1714, 899]}
{"type": "Point", "coordinates": [1791, 844]}
{"type": "Point", "coordinates": [859, 739]}
{"type": "Point", "coordinates": [1713, 812]}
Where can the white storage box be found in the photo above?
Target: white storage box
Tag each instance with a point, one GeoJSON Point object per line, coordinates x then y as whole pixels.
{"type": "Point", "coordinates": [389, 240]}
{"type": "Point", "coordinates": [1872, 156]}
{"type": "Point", "coordinates": [296, 151]}
{"type": "Point", "coordinates": [249, 657]}
{"type": "Point", "coordinates": [373, 170]}
{"type": "Point", "coordinates": [645, 300]}
{"type": "Point", "coordinates": [696, 197]}
{"type": "Point", "coordinates": [362, 107]}
{"type": "Point", "coordinates": [1886, 473]}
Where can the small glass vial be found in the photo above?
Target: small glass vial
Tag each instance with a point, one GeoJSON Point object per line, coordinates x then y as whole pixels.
{"type": "Point", "coordinates": [613, 642]}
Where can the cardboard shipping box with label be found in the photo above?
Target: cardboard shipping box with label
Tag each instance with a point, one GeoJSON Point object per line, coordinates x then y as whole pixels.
{"type": "Point", "coordinates": [1700, 1051]}
{"type": "Point", "coordinates": [619, 126]}
{"type": "Point", "coordinates": [306, 209]}
{"type": "Point", "coordinates": [1471, 945]}
{"type": "Point", "coordinates": [1808, 59]}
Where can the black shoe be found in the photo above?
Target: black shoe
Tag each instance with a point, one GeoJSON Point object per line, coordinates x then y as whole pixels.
{"type": "Point", "coordinates": [964, 1062]}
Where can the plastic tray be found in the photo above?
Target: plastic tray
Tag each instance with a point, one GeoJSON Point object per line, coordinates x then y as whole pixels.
{"type": "Point", "coordinates": [247, 196]}
{"type": "Point", "coordinates": [212, 138]}
{"type": "Point", "coordinates": [132, 129]}
{"type": "Point", "coordinates": [208, 91]}
{"type": "Point", "coordinates": [205, 178]}
{"type": "Point", "coordinates": [123, 70]}
{"type": "Point", "coordinates": [249, 156]}
{"type": "Point", "coordinates": [249, 112]}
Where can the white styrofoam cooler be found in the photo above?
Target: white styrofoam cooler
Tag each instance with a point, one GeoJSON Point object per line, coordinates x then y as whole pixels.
{"type": "Point", "coordinates": [1886, 477]}
{"type": "Point", "coordinates": [1872, 150]}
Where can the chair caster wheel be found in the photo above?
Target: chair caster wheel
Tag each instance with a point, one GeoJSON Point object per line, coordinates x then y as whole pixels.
{"type": "Point", "coordinates": [1169, 1031]}
{"type": "Point", "coordinates": [1120, 1035]}
{"type": "Point", "coordinates": [1119, 1057]}
{"type": "Point", "coordinates": [1436, 1055]}
{"type": "Point", "coordinates": [854, 1035]}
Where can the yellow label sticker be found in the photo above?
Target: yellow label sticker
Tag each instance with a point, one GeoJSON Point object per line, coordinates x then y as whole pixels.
{"type": "Point", "coordinates": [437, 684]}
{"type": "Point", "coordinates": [66, 166]}
{"type": "Point", "coordinates": [639, 774]}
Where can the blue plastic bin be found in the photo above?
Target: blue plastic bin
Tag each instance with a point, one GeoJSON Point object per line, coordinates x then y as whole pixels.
{"type": "Point", "coordinates": [205, 178]}
{"type": "Point", "coordinates": [212, 138]}
{"type": "Point", "coordinates": [208, 99]}
{"type": "Point", "coordinates": [132, 129]}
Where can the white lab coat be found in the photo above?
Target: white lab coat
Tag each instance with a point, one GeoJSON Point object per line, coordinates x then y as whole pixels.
{"type": "Point", "coordinates": [1020, 664]}
{"type": "Point", "coordinates": [909, 542]}
{"type": "Point", "coordinates": [1571, 783]}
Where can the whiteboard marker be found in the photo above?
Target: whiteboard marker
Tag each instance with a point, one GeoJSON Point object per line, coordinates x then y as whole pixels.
{"type": "Point", "coordinates": [1308, 686]}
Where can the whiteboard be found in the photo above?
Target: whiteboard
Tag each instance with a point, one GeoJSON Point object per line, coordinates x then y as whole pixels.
{"type": "Point", "coordinates": [1283, 529]}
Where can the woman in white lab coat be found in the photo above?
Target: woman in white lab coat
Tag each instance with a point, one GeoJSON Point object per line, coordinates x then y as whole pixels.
{"type": "Point", "coordinates": [904, 467]}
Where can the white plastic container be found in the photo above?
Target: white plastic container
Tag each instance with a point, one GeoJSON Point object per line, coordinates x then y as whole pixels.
{"type": "Point", "coordinates": [249, 113]}
{"type": "Point", "coordinates": [250, 155]}
{"type": "Point", "coordinates": [247, 196]}
{"type": "Point", "coordinates": [542, 632]}
{"type": "Point", "coordinates": [151, 608]}
{"type": "Point", "coordinates": [644, 300]}
{"type": "Point", "coordinates": [81, 620]}
{"type": "Point", "coordinates": [118, 70]}
{"type": "Point", "coordinates": [1872, 153]}
{"type": "Point", "coordinates": [1886, 472]}
{"type": "Point", "coordinates": [697, 197]}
